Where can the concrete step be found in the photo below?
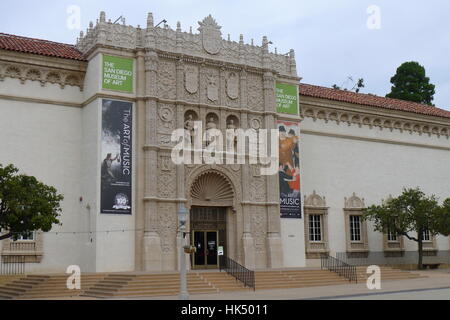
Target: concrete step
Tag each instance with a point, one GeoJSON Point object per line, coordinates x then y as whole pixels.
{"type": "Point", "coordinates": [162, 292]}
{"type": "Point", "coordinates": [295, 282]}
{"type": "Point", "coordinates": [11, 291]}
{"type": "Point", "coordinates": [164, 285]}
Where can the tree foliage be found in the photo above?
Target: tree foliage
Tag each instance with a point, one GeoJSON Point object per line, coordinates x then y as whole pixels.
{"type": "Point", "coordinates": [26, 204]}
{"type": "Point", "coordinates": [410, 215]}
{"type": "Point", "coordinates": [410, 83]}
{"type": "Point", "coordinates": [356, 87]}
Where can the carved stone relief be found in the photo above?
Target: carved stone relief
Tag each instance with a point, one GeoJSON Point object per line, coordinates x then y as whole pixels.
{"type": "Point", "coordinates": [167, 226]}
{"type": "Point", "coordinates": [166, 118]}
{"type": "Point", "coordinates": [233, 85]}
{"type": "Point", "coordinates": [211, 35]}
{"type": "Point", "coordinates": [167, 79]}
{"type": "Point", "coordinates": [212, 87]}
{"type": "Point", "coordinates": [166, 177]}
{"type": "Point", "coordinates": [255, 123]}
{"type": "Point", "coordinates": [255, 92]}
{"type": "Point", "coordinates": [257, 189]}
{"type": "Point", "coordinates": [191, 79]}
{"type": "Point", "coordinates": [259, 228]}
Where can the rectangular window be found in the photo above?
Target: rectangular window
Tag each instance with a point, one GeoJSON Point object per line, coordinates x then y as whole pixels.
{"type": "Point", "coordinates": [426, 235]}
{"type": "Point", "coordinates": [315, 228]}
{"type": "Point", "coordinates": [355, 228]}
{"type": "Point", "coordinates": [392, 236]}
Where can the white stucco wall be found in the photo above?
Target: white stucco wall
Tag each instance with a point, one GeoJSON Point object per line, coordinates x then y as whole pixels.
{"type": "Point", "coordinates": [293, 240]}
{"type": "Point", "coordinates": [34, 89]}
{"type": "Point", "coordinates": [43, 140]}
{"type": "Point", "coordinates": [336, 166]}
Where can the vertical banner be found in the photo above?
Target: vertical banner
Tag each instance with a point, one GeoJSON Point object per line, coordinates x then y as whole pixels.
{"type": "Point", "coordinates": [116, 166]}
{"type": "Point", "coordinates": [289, 169]}
{"type": "Point", "coordinates": [287, 98]}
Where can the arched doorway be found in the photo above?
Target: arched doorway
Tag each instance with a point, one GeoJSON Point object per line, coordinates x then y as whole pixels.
{"type": "Point", "coordinates": [211, 200]}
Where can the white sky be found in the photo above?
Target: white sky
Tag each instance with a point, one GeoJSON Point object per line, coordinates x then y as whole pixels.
{"type": "Point", "coordinates": [330, 37]}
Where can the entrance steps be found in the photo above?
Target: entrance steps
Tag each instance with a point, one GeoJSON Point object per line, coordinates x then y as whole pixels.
{"type": "Point", "coordinates": [45, 286]}
{"type": "Point", "coordinates": [129, 285]}
{"type": "Point", "coordinates": [147, 285]}
{"type": "Point", "coordinates": [284, 279]}
{"type": "Point", "coordinates": [387, 273]}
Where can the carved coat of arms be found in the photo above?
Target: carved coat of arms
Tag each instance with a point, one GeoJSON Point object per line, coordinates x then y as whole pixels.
{"type": "Point", "coordinates": [211, 35]}
{"type": "Point", "coordinates": [191, 80]}
{"type": "Point", "coordinates": [233, 86]}
{"type": "Point", "coordinates": [212, 90]}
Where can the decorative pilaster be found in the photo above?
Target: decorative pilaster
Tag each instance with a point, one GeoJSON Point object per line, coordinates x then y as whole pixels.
{"type": "Point", "coordinates": [152, 240]}
{"type": "Point", "coordinates": [243, 84]}
{"type": "Point", "coordinates": [140, 160]}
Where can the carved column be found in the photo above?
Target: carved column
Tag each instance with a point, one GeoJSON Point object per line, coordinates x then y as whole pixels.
{"type": "Point", "coordinates": [152, 241]}
{"type": "Point", "coordinates": [274, 246]}
{"type": "Point", "coordinates": [180, 169]}
{"type": "Point", "coordinates": [140, 160]}
{"type": "Point", "coordinates": [243, 89]}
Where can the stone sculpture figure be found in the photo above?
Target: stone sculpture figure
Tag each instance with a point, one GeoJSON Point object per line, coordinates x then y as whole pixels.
{"type": "Point", "coordinates": [231, 136]}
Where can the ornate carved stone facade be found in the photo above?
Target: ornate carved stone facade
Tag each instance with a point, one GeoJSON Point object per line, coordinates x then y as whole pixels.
{"type": "Point", "coordinates": [202, 77]}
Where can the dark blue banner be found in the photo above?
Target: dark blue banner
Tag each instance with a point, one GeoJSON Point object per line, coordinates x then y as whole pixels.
{"type": "Point", "coordinates": [116, 166]}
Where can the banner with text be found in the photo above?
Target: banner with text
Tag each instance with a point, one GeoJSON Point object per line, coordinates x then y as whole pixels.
{"type": "Point", "coordinates": [117, 155]}
{"type": "Point", "coordinates": [118, 73]}
{"type": "Point", "coordinates": [287, 98]}
{"type": "Point", "coordinates": [289, 169]}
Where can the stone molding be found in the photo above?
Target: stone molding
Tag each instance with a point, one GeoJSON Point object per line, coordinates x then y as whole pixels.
{"type": "Point", "coordinates": [386, 120]}
{"type": "Point", "coordinates": [353, 206]}
{"type": "Point", "coordinates": [43, 74]}
{"type": "Point", "coordinates": [390, 246]}
{"type": "Point", "coordinates": [316, 205]}
{"type": "Point", "coordinates": [359, 138]}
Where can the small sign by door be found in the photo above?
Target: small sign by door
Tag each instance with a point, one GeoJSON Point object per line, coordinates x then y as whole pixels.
{"type": "Point", "coordinates": [220, 251]}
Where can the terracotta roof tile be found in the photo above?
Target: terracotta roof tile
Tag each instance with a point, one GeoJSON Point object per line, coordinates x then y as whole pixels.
{"type": "Point", "coordinates": [371, 100]}
{"type": "Point", "coordinates": [38, 46]}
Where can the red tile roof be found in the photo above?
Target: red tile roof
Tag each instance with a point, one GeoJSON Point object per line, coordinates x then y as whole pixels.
{"type": "Point", "coordinates": [371, 100]}
{"type": "Point", "coordinates": [38, 46]}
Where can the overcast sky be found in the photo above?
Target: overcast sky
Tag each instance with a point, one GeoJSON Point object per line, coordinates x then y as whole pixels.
{"type": "Point", "coordinates": [331, 38]}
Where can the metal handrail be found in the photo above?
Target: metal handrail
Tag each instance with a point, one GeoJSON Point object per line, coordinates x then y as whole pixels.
{"type": "Point", "coordinates": [241, 273]}
{"type": "Point", "coordinates": [340, 267]}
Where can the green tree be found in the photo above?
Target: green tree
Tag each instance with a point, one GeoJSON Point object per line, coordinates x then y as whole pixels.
{"type": "Point", "coordinates": [26, 204]}
{"type": "Point", "coordinates": [410, 215]}
{"type": "Point", "coordinates": [410, 83]}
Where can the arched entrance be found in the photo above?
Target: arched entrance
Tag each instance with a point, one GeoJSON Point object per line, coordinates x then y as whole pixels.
{"type": "Point", "coordinates": [211, 200]}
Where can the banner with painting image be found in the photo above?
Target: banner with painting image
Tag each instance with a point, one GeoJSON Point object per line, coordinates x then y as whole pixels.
{"type": "Point", "coordinates": [116, 166]}
{"type": "Point", "coordinates": [289, 169]}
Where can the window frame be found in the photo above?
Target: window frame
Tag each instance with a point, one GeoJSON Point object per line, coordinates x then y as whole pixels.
{"type": "Point", "coordinates": [315, 223]}
{"type": "Point", "coordinates": [352, 228]}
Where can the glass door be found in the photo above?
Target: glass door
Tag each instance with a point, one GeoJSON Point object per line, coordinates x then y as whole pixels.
{"type": "Point", "coordinates": [206, 243]}
{"type": "Point", "coordinates": [211, 248]}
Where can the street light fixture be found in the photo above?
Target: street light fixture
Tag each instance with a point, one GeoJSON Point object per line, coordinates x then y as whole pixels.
{"type": "Point", "coordinates": [182, 218]}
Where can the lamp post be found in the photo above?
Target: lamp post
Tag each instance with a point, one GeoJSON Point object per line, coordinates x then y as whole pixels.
{"type": "Point", "coordinates": [182, 217]}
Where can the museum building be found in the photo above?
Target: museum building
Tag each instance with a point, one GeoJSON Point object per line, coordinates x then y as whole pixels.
{"type": "Point", "coordinates": [96, 119]}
